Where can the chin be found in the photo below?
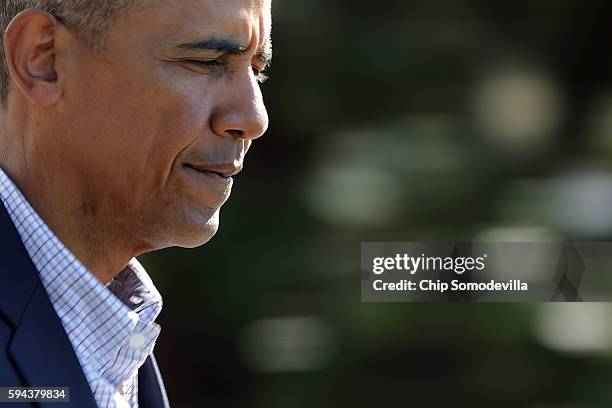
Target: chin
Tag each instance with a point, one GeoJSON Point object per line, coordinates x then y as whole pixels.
{"type": "Point", "coordinates": [197, 233]}
{"type": "Point", "coordinates": [197, 241]}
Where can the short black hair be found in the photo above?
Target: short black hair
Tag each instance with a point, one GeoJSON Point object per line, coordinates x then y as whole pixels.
{"type": "Point", "coordinates": [90, 19]}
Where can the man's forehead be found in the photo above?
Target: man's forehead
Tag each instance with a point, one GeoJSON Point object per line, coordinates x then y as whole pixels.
{"type": "Point", "coordinates": [236, 19]}
{"type": "Point", "coordinates": [219, 11]}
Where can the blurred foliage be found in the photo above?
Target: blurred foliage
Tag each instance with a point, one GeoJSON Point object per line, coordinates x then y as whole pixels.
{"type": "Point", "coordinates": [400, 121]}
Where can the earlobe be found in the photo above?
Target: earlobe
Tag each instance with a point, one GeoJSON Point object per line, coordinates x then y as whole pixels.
{"type": "Point", "coordinates": [29, 44]}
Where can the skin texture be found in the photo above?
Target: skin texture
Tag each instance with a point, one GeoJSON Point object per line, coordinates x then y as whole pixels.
{"type": "Point", "coordinates": [116, 151]}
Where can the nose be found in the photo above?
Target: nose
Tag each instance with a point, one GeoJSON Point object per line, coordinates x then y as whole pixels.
{"type": "Point", "coordinates": [243, 114]}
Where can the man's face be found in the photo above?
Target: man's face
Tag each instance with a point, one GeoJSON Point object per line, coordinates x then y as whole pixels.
{"type": "Point", "coordinates": [160, 122]}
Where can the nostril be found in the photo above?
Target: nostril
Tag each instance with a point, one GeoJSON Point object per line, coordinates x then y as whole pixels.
{"type": "Point", "coordinates": [238, 134]}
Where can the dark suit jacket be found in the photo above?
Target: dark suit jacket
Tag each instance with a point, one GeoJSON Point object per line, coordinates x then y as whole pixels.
{"type": "Point", "coordinates": [34, 348]}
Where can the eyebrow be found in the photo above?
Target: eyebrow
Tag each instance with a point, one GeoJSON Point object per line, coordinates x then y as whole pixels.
{"type": "Point", "coordinates": [229, 46]}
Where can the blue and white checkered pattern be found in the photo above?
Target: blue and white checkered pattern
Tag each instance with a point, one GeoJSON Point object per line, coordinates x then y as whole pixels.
{"type": "Point", "coordinates": [110, 327]}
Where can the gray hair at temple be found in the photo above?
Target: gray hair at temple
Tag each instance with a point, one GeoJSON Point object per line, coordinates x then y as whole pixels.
{"type": "Point", "coordinates": [90, 19]}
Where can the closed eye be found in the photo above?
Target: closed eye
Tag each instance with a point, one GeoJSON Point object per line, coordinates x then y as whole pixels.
{"type": "Point", "coordinates": [212, 66]}
{"type": "Point", "coordinates": [206, 63]}
{"type": "Point", "coordinates": [260, 76]}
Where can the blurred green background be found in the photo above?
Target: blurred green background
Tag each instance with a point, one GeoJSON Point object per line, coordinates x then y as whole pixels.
{"type": "Point", "coordinates": [403, 121]}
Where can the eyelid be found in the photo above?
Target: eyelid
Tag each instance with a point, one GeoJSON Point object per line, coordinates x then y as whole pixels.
{"type": "Point", "coordinates": [260, 76]}
{"type": "Point", "coordinates": [211, 64]}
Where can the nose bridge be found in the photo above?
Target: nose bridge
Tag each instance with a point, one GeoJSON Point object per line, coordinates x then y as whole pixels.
{"type": "Point", "coordinates": [244, 114]}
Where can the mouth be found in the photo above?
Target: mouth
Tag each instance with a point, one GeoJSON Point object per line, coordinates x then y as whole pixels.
{"type": "Point", "coordinates": [214, 184]}
{"type": "Point", "coordinates": [208, 173]}
{"type": "Point", "coordinates": [222, 171]}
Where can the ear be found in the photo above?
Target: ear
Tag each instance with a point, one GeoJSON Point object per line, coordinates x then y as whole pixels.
{"type": "Point", "coordinates": [29, 46]}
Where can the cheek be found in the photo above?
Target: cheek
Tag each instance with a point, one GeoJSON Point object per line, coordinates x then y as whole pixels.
{"type": "Point", "coordinates": [176, 129]}
{"type": "Point", "coordinates": [129, 138]}
{"type": "Point", "coordinates": [144, 121]}
{"type": "Point", "coordinates": [183, 106]}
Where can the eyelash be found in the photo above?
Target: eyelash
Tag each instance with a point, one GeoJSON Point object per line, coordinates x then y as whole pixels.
{"type": "Point", "coordinates": [215, 64]}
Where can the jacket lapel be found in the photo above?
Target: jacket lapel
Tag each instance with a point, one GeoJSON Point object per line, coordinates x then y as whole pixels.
{"type": "Point", "coordinates": [44, 355]}
{"type": "Point", "coordinates": [151, 390]}
{"type": "Point", "coordinates": [40, 348]}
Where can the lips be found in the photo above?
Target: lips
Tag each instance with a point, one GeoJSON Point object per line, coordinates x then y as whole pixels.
{"type": "Point", "coordinates": [208, 184]}
{"type": "Point", "coordinates": [222, 170]}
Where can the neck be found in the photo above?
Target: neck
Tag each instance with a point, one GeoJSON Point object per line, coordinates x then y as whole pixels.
{"type": "Point", "coordinates": [76, 215]}
{"type": "Point", "coordinates": [95, 242]}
